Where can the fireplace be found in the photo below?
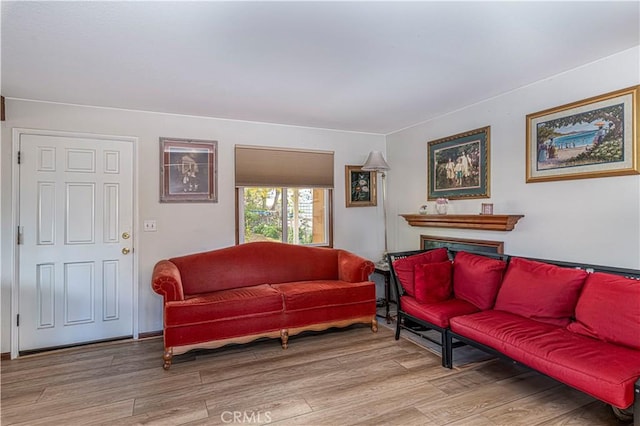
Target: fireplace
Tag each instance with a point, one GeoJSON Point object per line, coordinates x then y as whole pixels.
{"type": "Point", "coordinates": [428, 242]}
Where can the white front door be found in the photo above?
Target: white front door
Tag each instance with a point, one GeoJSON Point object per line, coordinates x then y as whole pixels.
{"type": "Point", "coordinates": [75, 227]}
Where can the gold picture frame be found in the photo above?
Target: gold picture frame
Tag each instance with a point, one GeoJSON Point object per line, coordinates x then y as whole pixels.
{"type": "Point", "coordinates": [595, 137]}
{"type": "Point", "coordinates": [360, 187]}
{"type": "Point", "coordinates": [458, 166]}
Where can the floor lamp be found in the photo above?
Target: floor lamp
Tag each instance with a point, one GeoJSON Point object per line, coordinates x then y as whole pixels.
{"type": "Point", "coordinates": [376, 163]}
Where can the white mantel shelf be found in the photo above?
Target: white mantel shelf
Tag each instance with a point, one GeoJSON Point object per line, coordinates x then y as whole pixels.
{"type": "Point", "coordinates": [487, 222]}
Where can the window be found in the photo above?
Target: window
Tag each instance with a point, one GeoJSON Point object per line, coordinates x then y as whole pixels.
{"type": "Point", "coordinates": [291, 215]}
{"type": "Point", "coordinates": [284, 195]}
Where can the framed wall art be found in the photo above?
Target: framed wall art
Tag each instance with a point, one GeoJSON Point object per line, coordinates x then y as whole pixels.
{"type": "Point", "coordinates": [360, 187]}
{"type": "Point", "coordinates": [595, 137]}
{"type": "Point", "coordinates": [188, 170]}
{"type": "Point", "coordinates": [458, 166]}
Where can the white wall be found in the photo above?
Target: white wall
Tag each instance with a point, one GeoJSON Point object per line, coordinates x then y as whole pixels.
{"type": "Point", "coordinates": [186, 228]}
{"type": "Point", "coordinates": [589, 220]}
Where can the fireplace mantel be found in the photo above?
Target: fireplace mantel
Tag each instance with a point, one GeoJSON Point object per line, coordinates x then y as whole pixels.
{"type": "Point", "coordinates": [487, 222]}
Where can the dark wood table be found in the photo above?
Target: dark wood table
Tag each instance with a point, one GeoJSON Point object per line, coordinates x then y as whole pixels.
{"type": "Point", "coordinates": [386, 273]}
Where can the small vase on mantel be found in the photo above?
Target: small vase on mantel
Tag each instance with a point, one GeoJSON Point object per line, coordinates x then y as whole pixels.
{"type": "Point", "coordinates": [441, 205]}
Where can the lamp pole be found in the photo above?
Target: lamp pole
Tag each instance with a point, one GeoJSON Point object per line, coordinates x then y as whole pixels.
{"type": "Point", "coordinates": [383, 175]}
{"type": "Point", "coordinates": [376, 163]}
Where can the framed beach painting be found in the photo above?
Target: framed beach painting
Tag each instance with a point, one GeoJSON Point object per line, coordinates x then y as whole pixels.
{"type": "Point", "coordinates": [458, 166]}
{"type": "Point", "coordinates": [188, 170]}
{"type": "Point", "coordinates": [360, 187]}
{"type": "Point", "coordinates": [595, 137]}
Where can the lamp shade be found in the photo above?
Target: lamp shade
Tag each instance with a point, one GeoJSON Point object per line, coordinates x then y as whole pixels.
{"type": "Point", "coordinates": [375, 162]}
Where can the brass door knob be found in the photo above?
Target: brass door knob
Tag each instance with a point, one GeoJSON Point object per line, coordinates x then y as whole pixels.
{"type": "Point", "coordinates": [126, 250]}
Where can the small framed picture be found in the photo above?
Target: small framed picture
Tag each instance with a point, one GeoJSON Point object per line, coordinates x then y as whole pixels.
{"type": "Point", "coordinates": [487, 208]}
{"type": "Point", "coordinates": [360, 187]}
{"type": "Point", "coordinates": [188, 170]}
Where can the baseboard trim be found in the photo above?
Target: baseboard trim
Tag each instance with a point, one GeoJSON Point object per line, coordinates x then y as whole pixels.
{"type": "Point", "coordinates": [6, 356]}
{"type": "Point", "coordinates": [150, 334]}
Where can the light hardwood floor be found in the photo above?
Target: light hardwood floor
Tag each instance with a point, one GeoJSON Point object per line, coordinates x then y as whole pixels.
{"type": "Point", "coordinates": [340, 377]}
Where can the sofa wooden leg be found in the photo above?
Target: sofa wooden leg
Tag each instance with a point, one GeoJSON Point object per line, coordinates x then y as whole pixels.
{"type": "Point", "coordinates": [374, 325]}
{"type": "Point", "coordinates": [284, 336]}
{"type": "Point", "coordinates": [167, 356]}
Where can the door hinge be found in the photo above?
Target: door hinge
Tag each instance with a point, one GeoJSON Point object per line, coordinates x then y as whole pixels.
{"type": "Point", "coordinates": [19, 157]}
{"type": "Point", "coordinates": [20, 238]}
{"type": "Point", "coordinates": [18, 320]}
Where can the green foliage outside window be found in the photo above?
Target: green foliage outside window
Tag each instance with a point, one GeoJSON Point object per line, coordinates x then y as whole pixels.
{"type": "Point", "coordinates": [263, 219]}
{"type": "Point", "coordinates": [262, 214]}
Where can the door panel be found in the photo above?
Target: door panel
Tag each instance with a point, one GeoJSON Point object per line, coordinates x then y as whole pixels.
{"type": "Point", "coordinates": [46, 213]}
{"type": "Point", "coordinates": [76, 203]}
{"type": "Point", "coordinates": [80, 213]}
{"type": "Point", "coordinates": [45, 292]}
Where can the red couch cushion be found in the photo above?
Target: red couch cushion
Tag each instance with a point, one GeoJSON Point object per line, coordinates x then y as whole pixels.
{"type": "Point", "coordinates": [328, 314]}
{"type": "Point", "coordinates": [437, 313]}
{"type": "Point", "coordinates": [609, 309]}
{"type": "Point", "coordinates": [316, 294]}
{"type": "Point", "coordinates": [603, 370]}
{"type": "Point", "coordinates": [432, 282]}
{"type": "Point", "coordinates": [499, 329]}
{"type": "Point", "coordinates": [225, 304]}
{"type": "Point", "coordinates": [477, 279]}
{"type": "Point", "coordinates": [540, 291]}
{"type": "Point", "coordinates": [405, 268]}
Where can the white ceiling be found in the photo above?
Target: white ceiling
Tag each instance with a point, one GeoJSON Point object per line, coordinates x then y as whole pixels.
{"type": "Point", "coordinates": [362, 66]}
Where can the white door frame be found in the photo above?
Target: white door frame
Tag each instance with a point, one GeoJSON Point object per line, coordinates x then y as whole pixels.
{"type": "Point", "coordinates": [15, 194]}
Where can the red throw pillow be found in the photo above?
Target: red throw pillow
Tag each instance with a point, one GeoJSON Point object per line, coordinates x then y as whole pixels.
{"type": "Point", "coordinates": [477, 278]}
{"type": "Point", "coordinates": [540, 291]}
{"type": "Point", "coordinates": [609, 309]}
{"type": "Point", "coordinates": [405, 268]}
{"type": "Point", "coordinates": [433, 282]}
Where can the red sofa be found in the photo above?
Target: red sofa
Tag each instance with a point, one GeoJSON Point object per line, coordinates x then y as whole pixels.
{"type": "Point", "coordinates": [263, 289]}
{"type": "Point", "coordinates": [579, 324]}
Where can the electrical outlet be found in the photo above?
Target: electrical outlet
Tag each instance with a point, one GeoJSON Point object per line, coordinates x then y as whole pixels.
{"type": "Point", "coordinates": [149, 226]}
